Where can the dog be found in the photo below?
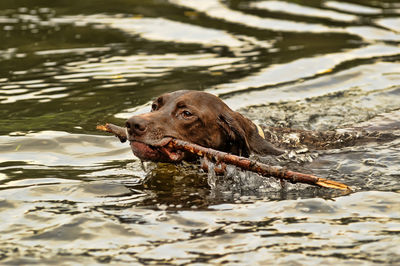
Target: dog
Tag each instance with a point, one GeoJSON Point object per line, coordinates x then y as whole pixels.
{"type": "Point", "coordinates": [198, 117]}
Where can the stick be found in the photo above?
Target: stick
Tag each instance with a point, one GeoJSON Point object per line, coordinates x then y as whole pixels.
{"type": "Point", "coordinates": [241, 162]}
{"type": "Point", "coordinates": [257, 167]}
{"type": "Point", "coordinates": [119, 132]}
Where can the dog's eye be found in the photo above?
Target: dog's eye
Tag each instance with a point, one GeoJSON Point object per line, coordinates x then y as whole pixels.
{"type": "Point", "coordinates": [153, 107]}
{"type": "Point", "coordinates": [186, 114]}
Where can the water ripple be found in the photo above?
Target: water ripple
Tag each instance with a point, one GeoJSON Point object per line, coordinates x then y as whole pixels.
{"type": "Point", "coordinates": [61, 148]}
{"type": "Point", "coordinates": [304, 68]}
{"type": "Point", "coordinates": [215, 9]}
{"type": "Point", "coordinates": [153, 29]}
{"type": "Point", "coordinates": [299, 10]}
{"type": "Point", "coordinates": [353, 8]}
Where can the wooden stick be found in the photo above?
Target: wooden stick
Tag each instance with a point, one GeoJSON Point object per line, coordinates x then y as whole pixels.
{"type": "Point", "coordinates": [119, 132]}
{"type": "Point", "coordinates": [241, 162]}
{"type": "Point", "coordinates": [257, 167]}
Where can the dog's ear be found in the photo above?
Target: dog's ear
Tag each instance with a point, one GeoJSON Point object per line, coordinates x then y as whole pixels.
{"type": "Point", "coordinates": [235, 135]}
{"type": "Point", "coordinates": [244, 137]}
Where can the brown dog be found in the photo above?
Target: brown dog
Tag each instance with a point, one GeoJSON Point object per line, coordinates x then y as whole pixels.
{"type": "Point", "coordinates": [197, 117]}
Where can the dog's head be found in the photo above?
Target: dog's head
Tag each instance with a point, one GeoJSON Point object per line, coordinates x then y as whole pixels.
{"type": "Point", "coordinates": [197, 117]}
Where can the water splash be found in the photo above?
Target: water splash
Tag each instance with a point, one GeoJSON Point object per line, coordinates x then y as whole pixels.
{"type": "Point", "coordinates": [212, 176]}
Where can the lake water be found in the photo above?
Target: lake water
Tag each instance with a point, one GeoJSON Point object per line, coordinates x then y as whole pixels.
{"type": "Point", "coordinates": [72, 195]}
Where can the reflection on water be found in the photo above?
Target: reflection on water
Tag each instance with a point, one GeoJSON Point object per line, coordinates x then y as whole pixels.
{"type": "Point", "coordinates": [68, 194]}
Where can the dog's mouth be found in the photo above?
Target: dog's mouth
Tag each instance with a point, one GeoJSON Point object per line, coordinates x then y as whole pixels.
{"type": "Point", "coordinates": [157, 152]}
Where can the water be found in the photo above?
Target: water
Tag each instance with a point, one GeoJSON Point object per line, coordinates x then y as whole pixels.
{"type": "Point", "coordinates": [69, 194]}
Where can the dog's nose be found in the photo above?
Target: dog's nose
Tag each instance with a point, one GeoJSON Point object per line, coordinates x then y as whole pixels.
{"type": "Point", "coordinates": [136, 125]}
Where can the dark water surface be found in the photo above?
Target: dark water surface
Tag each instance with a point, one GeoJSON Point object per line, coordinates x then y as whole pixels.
{"type": "Point", "coordinates": [69, 194]}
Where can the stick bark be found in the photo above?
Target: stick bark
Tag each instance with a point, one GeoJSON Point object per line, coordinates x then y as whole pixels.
{"type": "Point", "coordinates": [241, 162]}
